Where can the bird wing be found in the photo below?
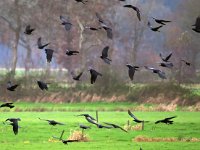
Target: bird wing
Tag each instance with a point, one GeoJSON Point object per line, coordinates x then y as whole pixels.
{"type": "Point", "coordinates": [28, 27]}
{"type": "Point", "coordinates": [166, 21]}
{"type": "Point", "coordinates": [39, 43]}
{"type": "Point", "coordinates": [138, 14]}
{"type": "Point", "coordinates": [197, 24]}
{"type": "Point", "coordinates": [161, 74]}
{"type": "Point", "coordinates": [131, 114]}
{"type": "Point", "coordinates": [168, 57]}
{"type": "Point", "coordinates": [14, 87]}
{"type": "Point", "coordinates": [157, 28]}
{"type": "Point", "coordinates": [63, 19]}
{"type": "Point", "coordinates": [80, 74]}
{"type": "Point", "coordinates": [131, 72]}
{"type": "Point", "coordinates": [170, 118]}
{"type": "Point", "coordinates": [15, 127]}
{"type": "Point", "coordinates": [100, 19]}
{"type": "Point", "coordinates": [49, 55]}
{"type": "Point", "coordinates": [93, 78]}
{"type": "Point", "coordinates": [91, 121]}
{"type": "Point", "coordinates": [105, 52]}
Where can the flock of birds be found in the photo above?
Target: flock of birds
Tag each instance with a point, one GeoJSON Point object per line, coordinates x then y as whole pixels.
{"type": "Point", "coordinates": [94, 74]}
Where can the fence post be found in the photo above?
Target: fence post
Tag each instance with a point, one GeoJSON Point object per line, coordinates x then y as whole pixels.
{"type": "Point", "coordinates": [97, 116]}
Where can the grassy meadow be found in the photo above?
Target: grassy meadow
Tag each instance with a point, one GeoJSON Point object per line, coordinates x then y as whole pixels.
{"type": "Point", "coordinates": [37, 134]}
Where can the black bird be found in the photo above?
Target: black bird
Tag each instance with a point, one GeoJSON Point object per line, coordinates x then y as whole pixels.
{"type": "Point", "coordinates": [81, 1]}
{"type": "Point", "coordinates": [115, 126]}
{"type": "Point", "coordinates": [131, 70]}
{"type": "Point", "coordinates": [49, 54]}
{"type": "Point", "coordinates": [11, 87]}
{"type": "Point", "coordinates": [104, 26]}
{"type": "Point", "coordinates": [64, 141]}
{"type": "Point", "coordinates": [70, 53]}
{"type": "Point", "coordinates": [91, 28]}
{"type": "Point", "coordinates": [166, 64]}
{"type": "Point", "coordinates": [136, 9]}
{"type": "Point", "coordinates": [155, 29]}
{"type": "Point", "coordinates": [84, 127]}
{"type": "Point", "coordinates": [42, 85]}
{"type": "Point", "coordinates": [186, 62]}
{"type": "Point", "coordinates": [40, 45]}
{"type": "Point", "coordinates": [10, 105]}
{"type": "Point", "coordinates": [104, 55]}
{"type": "Point", "coordinates": [165, 59]}
{"type": "Point", "coordinates": [160, 21]}
{"type": "Point", "coordinates": [66, 23]}
{"type": "Point", "coordinates": [28, 30]}
{"type": "Point", "coordinates": [94, 75]}
{"type": "Point", "coordinates": [134, 117]}
{"type": "Point", "coordinates": [14, 123]}
{"type": "Point", "coordinates": [166, 120]}
{"type": "Point", "coordinates": [87, 115]}
{"type": "Point", "coordinates": [95, 123]}
{"type": "Point", "coordinates": [197, 25]}
{"type": "Point", "coordinates": [52, 122]}
{"type": "Point", "coordinates": [160, 73]}
{"type": "Point", "coordinates": [76, 77]}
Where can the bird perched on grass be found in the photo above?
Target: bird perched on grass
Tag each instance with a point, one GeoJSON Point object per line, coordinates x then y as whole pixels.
{"type": "Point", "coordinates": [166, 120]}
{"type": "Point", "coordinates": [165, 59]}
{"type": "Point", "coordinates": [104, 55]}
{"type": "Point", "coordinates": [161, 21]}
{"type": "Point", "coordinates": [42, 85]}
{"type": "Point", "coordinates": [135, 118]}
{"type": "Point", "coordinates": [94, 75]}
{"type": "Point", "coordinates": [131, 70]}
{"type": "Point", "coordinates": [28, 30]}
{"type": "Point", "coordinates": [52, 122]}
{"type": "Point", "coordinates": [136, 9]}
{"type": "Point", "coordinates": [66, 23]}
{"type": "Point", "coordinates": [11, 87]}
{"type": "Point", "coordinates": [197, 25]}
{"type": "Point", "coordinates": [160, 73]}
{"type": "Point", "coordinates": [115, 126]}
{"type": "Point", "coordinates": [70, 52]}
{"type": "Point", "coordinates": [49, 54]}
{"type": "Point", "coordinates": [14, 123]}
{"type": "Point", "coordinates": [9, 105]}
{"type": "Point", "coordinates": [155, 29]}
{"type": "Point", "coordinates": [40, 45]}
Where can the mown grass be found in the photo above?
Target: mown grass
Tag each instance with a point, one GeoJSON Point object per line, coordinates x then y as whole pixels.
{"type": "Point", "coordinates": [35, 134]}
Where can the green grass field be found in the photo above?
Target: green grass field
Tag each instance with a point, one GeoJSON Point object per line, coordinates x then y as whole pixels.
{"type": "Point", "coordinates": [34, 134]}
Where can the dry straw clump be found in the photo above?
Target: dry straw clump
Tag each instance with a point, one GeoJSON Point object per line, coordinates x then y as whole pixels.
{"type": "Point", "coordinates": [135, 128]}
{"type": "Point", "coordinates": [78, 135]}
{"type": "Point", "coordinates": [169, 139]}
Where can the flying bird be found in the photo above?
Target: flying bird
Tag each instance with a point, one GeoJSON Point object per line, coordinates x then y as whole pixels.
{"type": "Point", "coordinates": [165, 59]}
{"type": "Point", "coordinates": [52, 122]}
{"type": "Point", "coordinates": [40, 45]}
{"type": "Point", "coordinates": [131, 70]}
{"type": "Point", "coordinates": [95, 123]}
{"type": "Point", "coordinates": [186, 62]}
{"type": "Point", "coordinates": [166, 64]}
{"type": "Point", "coordinates": [94, 75]}
{"type": "Point", "coordinates": [160, 21]}
{"type": "Point", "coordinates": [14, 123]}
{"type": "Point", "coordinates": [49, 54]}
{"type": "Point", "coordinates": [28, 30]}
{"type": "Point", "coordinates": [136, 9]}
{"type": "Point", "coordinates": [104, 55]}
{"type": "Point", "coordinates": [84, 127]}
{"type": "Point", "coordinates": [87, 115]}
{"type": "Point", "coordinates": [70, 53]}
{"type": "Point", "coordinates": [11, 87]}
{"type": "Point", "coordinates": [197, 25]}
{"type": "Point", "coordinates": [9, 105]}
{"type": "Point", "coordinates": [166, 120]}
{"type": "Point", "coordinates": [115, 126]}
{"type": "Point", "coordinates": [81, 1]}
{"type": "Point", "coordinates": [135, 118]}
{"type": "Point", "coordinates": [66, 23]}
{"type": "Point", "coordinates": [155, 29]}
{"type": "Point", "coordinates": [42, 85]}
{"type": "Point", "coordinates": [160, 73]}
{"type": "Point", "coordinates": [76, 77]}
